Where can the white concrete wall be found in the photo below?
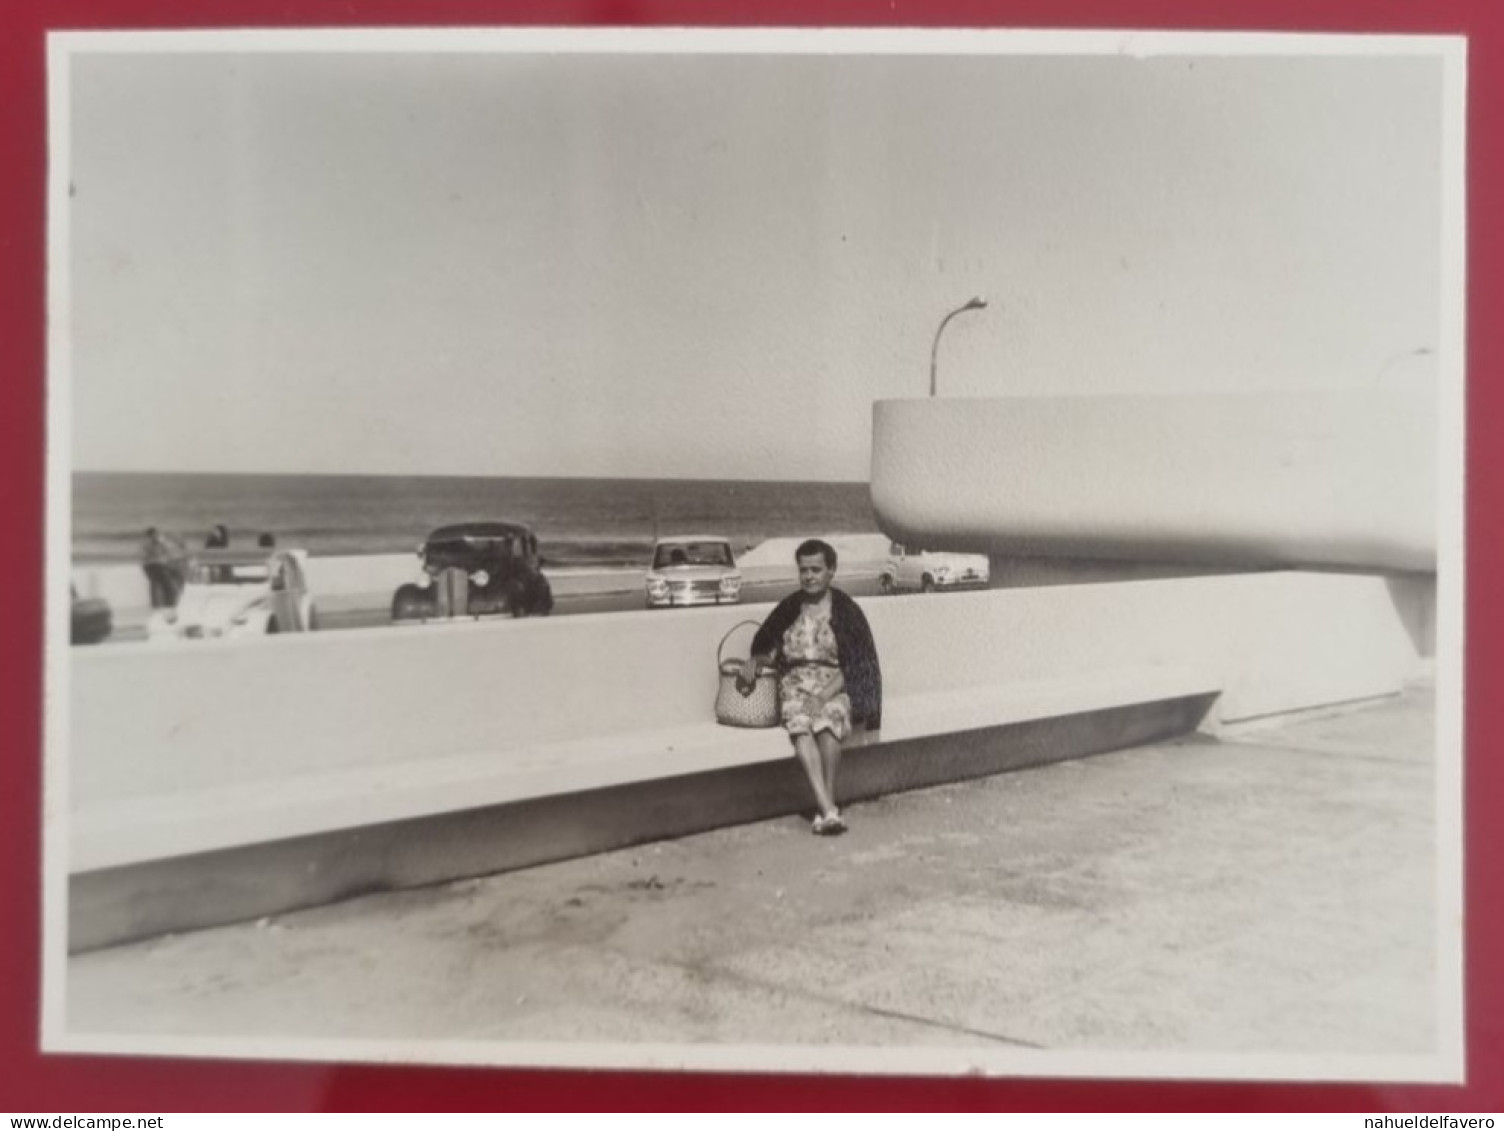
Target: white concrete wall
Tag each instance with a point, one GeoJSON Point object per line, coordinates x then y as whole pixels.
{"type": "Point", "coordinates": [854, 552]}
{"type": "Point", "coordinates": [1337, 478]}
{"type": "Point", "coordinates": [123, 586]}
{"type": "Point", "coordinates": [149, 722]}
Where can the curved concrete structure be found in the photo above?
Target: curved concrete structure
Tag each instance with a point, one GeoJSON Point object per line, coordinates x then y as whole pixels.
{"type": "Point", "coordinates": [1335, 478]}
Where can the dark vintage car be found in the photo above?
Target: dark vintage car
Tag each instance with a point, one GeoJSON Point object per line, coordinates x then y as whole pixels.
{"type": "Point", "coordinates": [92, 619]}
{"type": "Point", "coordinates": [476, 569]}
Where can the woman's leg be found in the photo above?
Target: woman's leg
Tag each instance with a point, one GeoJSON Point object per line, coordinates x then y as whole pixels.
{"type": "Point", "coordinates": [809, 755]}
{"type": "Point", "coordinates": [830, 761]}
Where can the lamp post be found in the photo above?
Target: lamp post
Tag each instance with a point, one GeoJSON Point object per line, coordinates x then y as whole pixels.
{"type": "Point", "coordinates": [973, 304]}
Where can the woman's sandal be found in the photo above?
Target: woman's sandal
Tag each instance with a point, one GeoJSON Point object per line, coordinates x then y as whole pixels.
{"type": "Point", "coordinates": [828, 825]}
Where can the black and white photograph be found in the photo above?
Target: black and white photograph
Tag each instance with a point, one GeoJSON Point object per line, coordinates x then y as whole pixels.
{"type": "Point", "coordinates": [838, 551]}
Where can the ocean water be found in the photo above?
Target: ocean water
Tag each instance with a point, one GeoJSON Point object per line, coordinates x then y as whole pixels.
{"type": "Point", "coordinates": [578, 521]}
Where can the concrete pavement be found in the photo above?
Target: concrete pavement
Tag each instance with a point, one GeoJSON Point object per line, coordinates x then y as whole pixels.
{"type": "Point", "coordinates": [1271, 892]}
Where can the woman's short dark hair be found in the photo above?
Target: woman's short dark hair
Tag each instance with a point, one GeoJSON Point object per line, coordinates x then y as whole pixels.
{"type": "Point", "coordinates": [814, 546]}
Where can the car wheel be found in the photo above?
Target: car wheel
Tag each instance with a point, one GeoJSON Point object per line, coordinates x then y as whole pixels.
{"type": "Point", "coordinates": [927, 585]}
{"type": "Point", "coordinates": [542, 597]}
{"type": "Point", "coordinates": [411, 602]}
{"type": "Point", "coordinates": [313, 619]}
{"type": "Point", "coordinates": [885, 583]}
{"type": "Point", "coordinates": [272, 627]}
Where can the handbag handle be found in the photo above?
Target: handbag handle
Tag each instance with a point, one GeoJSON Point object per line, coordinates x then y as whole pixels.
{"type": "Point", "coordinates": [722, 646]}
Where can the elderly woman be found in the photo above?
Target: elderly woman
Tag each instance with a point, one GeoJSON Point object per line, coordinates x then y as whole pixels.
{"type": "Point", "coordinates": [829, 679]}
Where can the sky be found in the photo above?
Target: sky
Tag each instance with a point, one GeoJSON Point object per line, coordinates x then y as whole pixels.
{"type": "Point", "coordinates": [686, 265]}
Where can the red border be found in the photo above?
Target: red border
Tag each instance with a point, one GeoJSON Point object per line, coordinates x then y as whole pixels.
{"type": "Point", "coordinates": [31, 1082]}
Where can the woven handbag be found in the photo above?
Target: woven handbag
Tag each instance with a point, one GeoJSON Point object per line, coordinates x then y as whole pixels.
{"type": "Point", "coordinates": [756, 707]}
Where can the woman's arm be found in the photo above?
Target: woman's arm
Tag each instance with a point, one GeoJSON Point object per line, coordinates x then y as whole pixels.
{"type": "Point", "coordinates": [859, 661]}
{"type": "Point", "coordinates": [769, 638]}
{"type": "Point", "coordinates": [750, 667]}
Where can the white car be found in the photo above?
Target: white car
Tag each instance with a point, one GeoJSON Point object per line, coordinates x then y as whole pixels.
{"type": "Point", "coordinates": [231, 594]}
{"type": "Point", "coordinates": [926, 572]}
{"type": "Point", "coordinates": [693, 569]}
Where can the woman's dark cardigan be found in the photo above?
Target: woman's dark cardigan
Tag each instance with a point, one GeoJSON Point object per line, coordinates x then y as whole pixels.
{"type": "Point", "coordinates": [854, 643]}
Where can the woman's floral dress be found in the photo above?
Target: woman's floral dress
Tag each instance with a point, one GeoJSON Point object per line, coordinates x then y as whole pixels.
{"type": "Point", "coordinates": [810, 662]}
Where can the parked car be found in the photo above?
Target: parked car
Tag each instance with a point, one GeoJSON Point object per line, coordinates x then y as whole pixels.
{"type": "Point", "coordinates": [926, 572]}
{"type": "Point", "coordinates": [237, 594]}
{"type": "Point", "coordinates": [476, 569]}
{"type": "Point", "coordinates": [692, 569]}
{"type": "Point", "coordinates": [92, 619]}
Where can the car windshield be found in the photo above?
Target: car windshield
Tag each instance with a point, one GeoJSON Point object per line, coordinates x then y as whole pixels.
{"type": "Point", "coordinates": [692, 554]}
{"type": "Point", "coordinates": [469, 547]}
{"type": "Point", "coordinates": [200, 573]}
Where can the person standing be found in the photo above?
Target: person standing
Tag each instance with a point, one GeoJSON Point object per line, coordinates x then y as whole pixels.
{"type": "Point", "coordinates": [159, 562]}
{"type": "Point", "coordinates": [219, 539]}
{"type": "Point", "coordinates": [829, 678]}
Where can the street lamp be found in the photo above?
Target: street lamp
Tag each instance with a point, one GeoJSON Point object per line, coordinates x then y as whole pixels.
{"type": "Point", "coordinates": [973, 304]}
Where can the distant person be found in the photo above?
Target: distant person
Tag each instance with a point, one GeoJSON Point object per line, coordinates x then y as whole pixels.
{"type": "Point", "coordinates": [159, 561]}
{"type": "Point", "coordinates": [219, 539]}
{"type": "Point", "coordinates": [829, 679]}
{"type": "Point", "coordinates": [267, 541]}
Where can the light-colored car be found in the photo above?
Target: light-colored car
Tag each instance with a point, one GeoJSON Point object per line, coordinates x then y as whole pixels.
{"type": "Point", "coordinates": [927, 572]}
{"type": "Point", "coordinates": [231, 594]}
{"type": "Point", "coordinates": [692, 569]}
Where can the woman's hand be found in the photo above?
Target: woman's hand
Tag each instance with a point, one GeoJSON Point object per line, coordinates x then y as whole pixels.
{"type": "Point", "coordinates": [746, 679]}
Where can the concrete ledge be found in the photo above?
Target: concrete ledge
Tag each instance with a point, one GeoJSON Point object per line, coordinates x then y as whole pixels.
{"type": "Point", "coordinates": [117, 904]}
{"type": "Point", "coordinates": [134, 830]}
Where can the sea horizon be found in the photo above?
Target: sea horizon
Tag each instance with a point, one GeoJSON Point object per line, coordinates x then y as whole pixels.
{"type": "Point", "coordinates": [579, 520]}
